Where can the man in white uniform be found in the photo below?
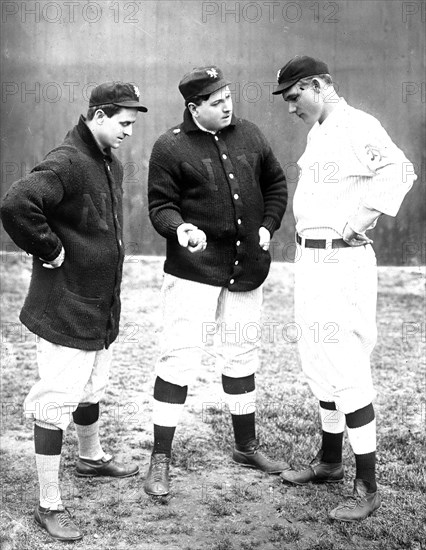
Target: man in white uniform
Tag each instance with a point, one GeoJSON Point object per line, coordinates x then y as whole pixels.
{"type": "Point", "coordinates": [350, 173]}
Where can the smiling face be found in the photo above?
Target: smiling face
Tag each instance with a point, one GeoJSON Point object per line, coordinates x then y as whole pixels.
{"type": "Point", "coordinates": [216, 112]}
{"type": "Point", "coordinates": [110, 131]}
{"type": "Point", "coordinates": [306, 101]}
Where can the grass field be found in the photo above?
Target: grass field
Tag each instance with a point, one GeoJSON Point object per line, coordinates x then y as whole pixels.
{"type": "Point", "coordinates": [214, 504]}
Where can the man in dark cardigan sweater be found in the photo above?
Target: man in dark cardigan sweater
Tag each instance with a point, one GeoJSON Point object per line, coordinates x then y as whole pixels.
{"type": "Point", "coordinates": [217, 194]}
{"type": "Point", "coordinates": [67, 213]}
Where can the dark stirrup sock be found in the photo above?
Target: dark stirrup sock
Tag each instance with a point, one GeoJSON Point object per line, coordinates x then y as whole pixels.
{"type": "Point", "coordinates": [243, 419]}
{"type": "Point", "coordinates": [362, 436]}
{"type": "Point", "coordinates": [333, 423]}
{"type": "Point", "coordinates": [169, 400]}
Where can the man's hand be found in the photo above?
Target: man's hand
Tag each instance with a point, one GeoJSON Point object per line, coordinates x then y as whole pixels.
{"type": "Point", "coordinates": [57, 262]}
{"type": "Point", "coordinates": [192, 238]}
{"type": "Point", "coordinates": [264, 238]}
{"type": "Point", "coordinates": [353, 238]}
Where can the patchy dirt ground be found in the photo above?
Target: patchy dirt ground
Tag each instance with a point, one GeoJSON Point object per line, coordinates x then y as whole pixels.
{"type": "Point", "coordinates": [215, 504]}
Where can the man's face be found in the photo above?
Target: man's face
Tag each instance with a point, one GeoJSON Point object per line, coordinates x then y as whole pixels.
{"type": "Point", "coordinates": [215, 113]}
{"type": "Point", "coordinates": [110, 132]}
{"type": "Point", "coordinates": [305, 102]}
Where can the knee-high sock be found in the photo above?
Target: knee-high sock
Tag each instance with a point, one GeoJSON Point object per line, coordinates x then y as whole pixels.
{"type": "Point", "coordinates": [240, 396]}
{"type": "Point", "coordinates": [362, 437]}
{"type": "Point", "coordinates": [333, 426]}
{"type": "Point", "coordinates": [48, 446]}
{"type": "Point", "coordinates": [86, 420]}
{"type": "Point", "coordinates": [169, 400]}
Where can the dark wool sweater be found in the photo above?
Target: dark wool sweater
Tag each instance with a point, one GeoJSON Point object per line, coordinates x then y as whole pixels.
{"type": "Point", "coordinates": [229, 185]}
{"type": "Point", "coordinates": [72, 199]}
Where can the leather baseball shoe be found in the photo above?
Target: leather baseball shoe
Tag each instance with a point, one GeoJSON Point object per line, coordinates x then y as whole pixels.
{"type": "Point", "coordinates": [157, 479]}
{"type": "Point", "coordinates": [58, 524]}
{"type": "Point", "coordinates": [106, 466]}
{"type": "Point", "coordinates": [250, 457]}
{"type": "Point", "coordinates": [318, 472]}
{"type": "Point", "coordinates": [359, 506]}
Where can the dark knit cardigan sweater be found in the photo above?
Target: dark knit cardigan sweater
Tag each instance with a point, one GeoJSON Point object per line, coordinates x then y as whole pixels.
{"type": "Point", "coordinates": [72, 199]}
{"type": "Point", "coordinates": [229, 185]}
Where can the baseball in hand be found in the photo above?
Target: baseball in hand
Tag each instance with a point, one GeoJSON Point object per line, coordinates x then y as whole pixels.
{"type": "Point", "coordinates": [196, 237]}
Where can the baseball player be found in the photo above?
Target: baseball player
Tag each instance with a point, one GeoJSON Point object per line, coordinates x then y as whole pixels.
{"type": "Point", "coordinates": [217, 194]}
{"type": "Point", "coordinates": [67, 213]}
{"type": "Point", "coordinates": [350, 174]}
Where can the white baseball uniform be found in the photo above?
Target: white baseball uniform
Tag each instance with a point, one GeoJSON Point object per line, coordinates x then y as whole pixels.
{"type": "Point", "coordinates": [350, 165]}
{"type": "Point", "coordinates": [68, 377]}
{"type": "Point", "coordinates": [192, 312]}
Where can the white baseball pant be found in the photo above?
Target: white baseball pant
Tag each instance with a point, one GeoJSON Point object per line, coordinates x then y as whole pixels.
{"type": "Point", "coordinates": [335, 308]}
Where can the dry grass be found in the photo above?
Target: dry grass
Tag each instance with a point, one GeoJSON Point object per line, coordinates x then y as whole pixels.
{"type": "Point", "coordinates": [215, 505]}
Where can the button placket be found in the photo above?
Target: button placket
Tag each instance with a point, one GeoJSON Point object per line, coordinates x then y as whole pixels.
{"type": "Point", "coordinates": [234, 188]}
{"type": "Point", "coordinates": [114, 203]}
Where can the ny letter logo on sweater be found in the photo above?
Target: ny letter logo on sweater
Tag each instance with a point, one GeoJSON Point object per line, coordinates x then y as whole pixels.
{"type": "Point", "coordinates": [90, 212]}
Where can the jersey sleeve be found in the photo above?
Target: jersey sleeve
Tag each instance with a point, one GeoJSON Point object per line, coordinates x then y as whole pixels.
{"type": "Point", "coordinates": [392, 174]}
{"type": "Point", "coordinates": [163, 192]}
{"type": "Point", "coordinates": [25, 212]}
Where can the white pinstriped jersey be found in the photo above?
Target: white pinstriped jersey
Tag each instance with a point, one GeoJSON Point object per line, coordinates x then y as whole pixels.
{"type": "Point", "coordinates": [349, 161]}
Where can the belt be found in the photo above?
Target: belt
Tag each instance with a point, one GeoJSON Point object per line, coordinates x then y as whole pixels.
{"type": "Point", "coordinates": [321, 243]}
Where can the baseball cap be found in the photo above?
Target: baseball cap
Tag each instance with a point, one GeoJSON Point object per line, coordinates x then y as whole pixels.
{"type": "Point", "coordinates": [202, 81]}
{"type": "Point", "coordinates": [299, 67]}
{"type": "Point", "coordinates": [117, 93]}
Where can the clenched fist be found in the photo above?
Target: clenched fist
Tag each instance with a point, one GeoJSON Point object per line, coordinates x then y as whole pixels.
{"type": "Point", "coordinates": [192, 238]}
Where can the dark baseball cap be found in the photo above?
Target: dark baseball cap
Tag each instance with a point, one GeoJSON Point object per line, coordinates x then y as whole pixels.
{"type": "Point", "coordinates": [202, 81]}
{"type": "Point", "coordinates": [117, 93]}
{"type": "Point", "coordinates": [299, 67]}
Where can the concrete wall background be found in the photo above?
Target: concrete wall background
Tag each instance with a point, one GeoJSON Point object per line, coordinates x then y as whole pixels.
{"type": "Point", "coordinates": [54, 52]}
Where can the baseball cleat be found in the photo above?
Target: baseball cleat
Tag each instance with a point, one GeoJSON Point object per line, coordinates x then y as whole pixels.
{"type": "Point", "coordinates": [318, 472]}
{"type": "Point", "coordinates": [361, 505]}
{"type": "Point", "coordinates": [250, 457]}
{"type": "Point", "coordinates": [106, 466]}
{"type": "Point", "coordinates": [157, 479]}
{"type": "Point", "coordinates": [57, 523]}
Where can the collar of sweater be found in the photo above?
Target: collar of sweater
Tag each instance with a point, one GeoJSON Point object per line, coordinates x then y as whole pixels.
{"type": "Point", "coordinates": [190, 126]}
{"type": "Point", "coordinates": [87, 136]}
{"type": "Point", "coordinates": [202, 127]}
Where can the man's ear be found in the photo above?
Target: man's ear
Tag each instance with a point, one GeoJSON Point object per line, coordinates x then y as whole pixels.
{"type": "Point", "coordinates": [316, 84]}
{"type": "Point", "coordinates": [193, 109]}
{"type": "Point", "coordinates": [99, 116]}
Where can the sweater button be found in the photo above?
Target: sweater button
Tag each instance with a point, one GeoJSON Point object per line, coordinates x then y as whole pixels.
{"type": "Point", "coordinates": [238, 243]}
{"type": "Point", "coordinates": [236, 196]}
{"type": "Point", "coordinates": [239, 221]}
{"type": "Point", "coordinates": [231, 176]}
{"type": "Point", "coordinates": [231, 282]}
{"type": "Point", "coordinates": [224, 156]}
{"type": "Point", "coordinates": [216, 138]}
{"type": "Point", "coordinates": [236, 262]}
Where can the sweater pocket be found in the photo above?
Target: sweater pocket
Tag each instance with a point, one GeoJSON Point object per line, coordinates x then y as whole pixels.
{"type": "Point", "coordinates": [76, 316]}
